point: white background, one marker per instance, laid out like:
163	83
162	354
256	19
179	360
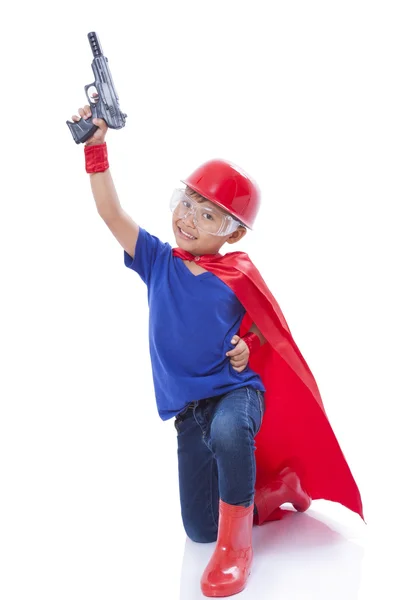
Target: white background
305	97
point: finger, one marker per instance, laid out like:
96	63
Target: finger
238	363
234	352
242	349
239	369
237	350
240	358
84	114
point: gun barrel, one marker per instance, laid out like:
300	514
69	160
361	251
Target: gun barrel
95	44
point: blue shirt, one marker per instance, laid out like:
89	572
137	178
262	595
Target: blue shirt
192	319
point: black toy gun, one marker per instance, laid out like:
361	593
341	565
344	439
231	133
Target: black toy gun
106	105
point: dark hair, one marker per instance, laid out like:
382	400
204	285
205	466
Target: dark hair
190	190
240	222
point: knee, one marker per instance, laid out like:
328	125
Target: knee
200	532
201	536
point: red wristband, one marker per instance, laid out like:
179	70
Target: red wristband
253	341
96	159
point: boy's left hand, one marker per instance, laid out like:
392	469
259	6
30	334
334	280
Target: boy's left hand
240	354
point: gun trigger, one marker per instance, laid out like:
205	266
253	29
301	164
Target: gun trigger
90	98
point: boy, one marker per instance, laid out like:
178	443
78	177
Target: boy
218	342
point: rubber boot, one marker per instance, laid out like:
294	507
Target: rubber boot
285	487
229	567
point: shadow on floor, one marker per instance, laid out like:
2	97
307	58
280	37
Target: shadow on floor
297	558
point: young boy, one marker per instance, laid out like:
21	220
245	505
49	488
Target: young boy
218	344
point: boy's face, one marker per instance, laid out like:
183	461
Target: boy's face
203	243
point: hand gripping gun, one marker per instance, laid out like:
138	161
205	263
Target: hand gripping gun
106	105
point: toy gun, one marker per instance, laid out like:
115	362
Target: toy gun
106	105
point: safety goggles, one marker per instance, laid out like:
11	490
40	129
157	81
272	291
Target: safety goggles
206	218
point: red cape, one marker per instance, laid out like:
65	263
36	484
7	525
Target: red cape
295	431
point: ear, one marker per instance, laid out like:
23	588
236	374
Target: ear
237	235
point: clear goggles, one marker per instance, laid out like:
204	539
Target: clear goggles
208	219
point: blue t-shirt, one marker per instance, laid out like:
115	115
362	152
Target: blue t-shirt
192	319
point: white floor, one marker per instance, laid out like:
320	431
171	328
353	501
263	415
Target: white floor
311	556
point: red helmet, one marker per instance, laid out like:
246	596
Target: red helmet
228	186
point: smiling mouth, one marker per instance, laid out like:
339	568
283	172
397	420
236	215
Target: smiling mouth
186	235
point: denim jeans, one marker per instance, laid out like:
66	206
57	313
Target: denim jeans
216	457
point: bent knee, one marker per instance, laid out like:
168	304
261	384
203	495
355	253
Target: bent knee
202	534
202	537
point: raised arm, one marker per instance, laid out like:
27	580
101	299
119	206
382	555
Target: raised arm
125	230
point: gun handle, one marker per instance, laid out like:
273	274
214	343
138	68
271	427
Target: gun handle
82	130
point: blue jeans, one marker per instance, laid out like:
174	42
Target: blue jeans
216	457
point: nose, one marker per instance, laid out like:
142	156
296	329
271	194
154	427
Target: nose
189	219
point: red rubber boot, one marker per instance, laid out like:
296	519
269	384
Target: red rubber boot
285	487
229	567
